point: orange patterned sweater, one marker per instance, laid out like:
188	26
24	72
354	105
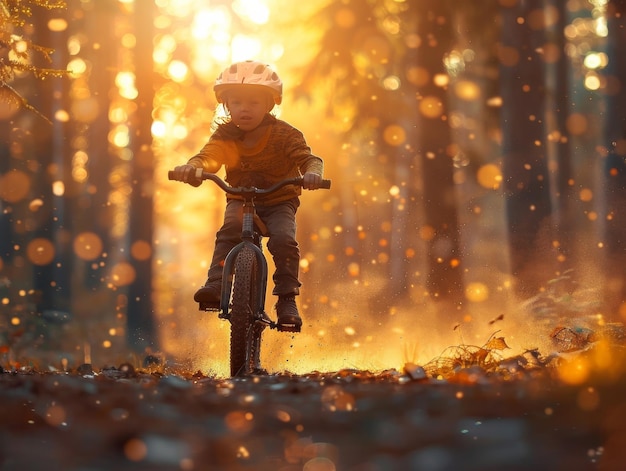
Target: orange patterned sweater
281	153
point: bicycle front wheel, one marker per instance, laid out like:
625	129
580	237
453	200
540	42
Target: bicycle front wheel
244	338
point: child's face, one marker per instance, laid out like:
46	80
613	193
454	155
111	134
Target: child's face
248	107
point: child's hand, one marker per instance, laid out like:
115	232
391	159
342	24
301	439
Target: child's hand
187	173
311	181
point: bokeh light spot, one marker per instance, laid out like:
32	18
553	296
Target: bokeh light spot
35	204
58	188
592	81
441	80
141	250
55	415
586	195
87	246
122	274
62	116
135	449
431	107
394	135
495	101
476	292
40	251
238	421
77	67
14	186
57	24
489	176
418	76
576	124
575	371
354	269
178	71
467	90
427	232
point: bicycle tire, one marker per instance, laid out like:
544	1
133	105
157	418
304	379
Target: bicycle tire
244	336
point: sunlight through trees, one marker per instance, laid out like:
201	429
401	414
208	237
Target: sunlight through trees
477	156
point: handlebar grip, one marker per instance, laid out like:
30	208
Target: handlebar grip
171	174
325	184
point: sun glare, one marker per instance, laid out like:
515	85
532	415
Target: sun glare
256	11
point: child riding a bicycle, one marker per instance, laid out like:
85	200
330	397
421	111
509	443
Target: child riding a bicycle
257	150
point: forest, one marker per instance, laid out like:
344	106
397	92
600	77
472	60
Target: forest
464	280
477	155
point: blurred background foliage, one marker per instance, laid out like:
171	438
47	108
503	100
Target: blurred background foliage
477	155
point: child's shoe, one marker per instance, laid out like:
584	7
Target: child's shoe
210	294
288	318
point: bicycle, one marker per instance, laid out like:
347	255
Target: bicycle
244	280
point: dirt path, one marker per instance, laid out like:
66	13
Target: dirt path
119	419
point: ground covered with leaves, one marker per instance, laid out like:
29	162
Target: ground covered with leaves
520	415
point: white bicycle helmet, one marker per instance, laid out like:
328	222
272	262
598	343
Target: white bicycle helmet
249	74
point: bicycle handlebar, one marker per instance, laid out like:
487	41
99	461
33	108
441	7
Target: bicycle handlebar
241	191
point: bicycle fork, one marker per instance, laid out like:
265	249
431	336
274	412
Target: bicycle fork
247	237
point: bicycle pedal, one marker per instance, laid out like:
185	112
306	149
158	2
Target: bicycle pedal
204	306
288	328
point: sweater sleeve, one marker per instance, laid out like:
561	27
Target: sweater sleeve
301	152
314	165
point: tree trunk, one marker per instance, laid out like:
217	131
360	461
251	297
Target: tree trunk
52	281
525	169
141	330
614	171
444	257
